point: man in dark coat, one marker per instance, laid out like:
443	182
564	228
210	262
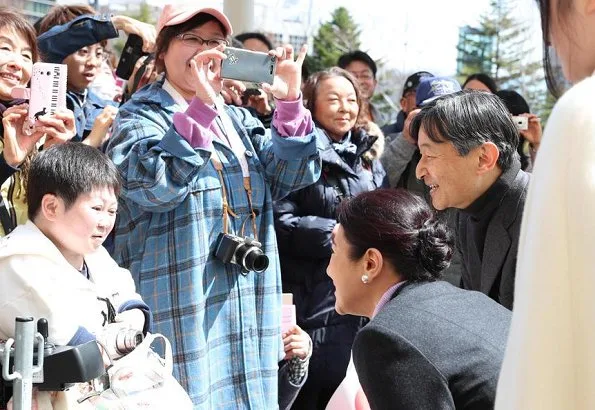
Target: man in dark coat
469	161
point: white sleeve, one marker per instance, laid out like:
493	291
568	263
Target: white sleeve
550	362
111	279
34	287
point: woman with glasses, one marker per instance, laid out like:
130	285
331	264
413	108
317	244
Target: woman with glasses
18	52
549	362
195	223
74	35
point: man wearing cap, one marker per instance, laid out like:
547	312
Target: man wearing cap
469	161
407	103
401	154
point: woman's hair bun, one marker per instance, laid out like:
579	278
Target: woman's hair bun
435	246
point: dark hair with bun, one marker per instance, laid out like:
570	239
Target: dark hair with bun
402	227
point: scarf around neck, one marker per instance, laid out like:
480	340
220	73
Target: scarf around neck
345	146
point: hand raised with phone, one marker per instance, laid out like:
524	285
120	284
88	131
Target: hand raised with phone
206	66
288	75
17	145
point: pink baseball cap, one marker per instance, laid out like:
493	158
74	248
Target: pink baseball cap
175	14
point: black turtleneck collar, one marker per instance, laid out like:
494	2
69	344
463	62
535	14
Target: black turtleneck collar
484	206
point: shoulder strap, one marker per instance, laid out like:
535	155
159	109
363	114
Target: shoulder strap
5	218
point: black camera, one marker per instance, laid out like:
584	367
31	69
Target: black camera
245	252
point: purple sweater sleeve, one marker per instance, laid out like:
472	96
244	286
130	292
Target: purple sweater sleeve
292	119
195	125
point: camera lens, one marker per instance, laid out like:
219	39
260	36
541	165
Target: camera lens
127	340
255	260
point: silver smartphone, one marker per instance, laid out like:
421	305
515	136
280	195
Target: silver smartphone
246	65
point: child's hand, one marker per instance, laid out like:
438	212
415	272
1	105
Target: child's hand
296	343
100	131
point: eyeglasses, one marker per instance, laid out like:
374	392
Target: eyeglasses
194	41
88	53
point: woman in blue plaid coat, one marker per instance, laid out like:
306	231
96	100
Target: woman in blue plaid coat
183	156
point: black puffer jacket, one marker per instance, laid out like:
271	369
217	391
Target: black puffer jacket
304	222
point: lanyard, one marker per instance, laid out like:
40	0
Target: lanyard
227	210
233	140
237	146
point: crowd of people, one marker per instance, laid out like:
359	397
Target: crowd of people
436	256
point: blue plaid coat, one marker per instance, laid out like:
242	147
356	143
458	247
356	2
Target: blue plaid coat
224	326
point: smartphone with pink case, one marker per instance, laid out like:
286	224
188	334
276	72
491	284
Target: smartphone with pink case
48	92
288	319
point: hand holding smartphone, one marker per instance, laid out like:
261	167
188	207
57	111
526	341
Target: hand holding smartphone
48	92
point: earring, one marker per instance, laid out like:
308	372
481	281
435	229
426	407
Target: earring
365	279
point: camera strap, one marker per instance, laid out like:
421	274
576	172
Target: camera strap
227	210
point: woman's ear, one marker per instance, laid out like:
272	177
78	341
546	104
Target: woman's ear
373	262
51	207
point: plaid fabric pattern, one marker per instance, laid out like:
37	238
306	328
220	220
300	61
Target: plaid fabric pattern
224	326
298	368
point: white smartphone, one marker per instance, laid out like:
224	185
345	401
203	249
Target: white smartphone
48	92
522	123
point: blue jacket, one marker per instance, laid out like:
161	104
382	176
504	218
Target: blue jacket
224	326
304	222
85	112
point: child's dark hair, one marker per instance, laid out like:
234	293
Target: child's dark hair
68	171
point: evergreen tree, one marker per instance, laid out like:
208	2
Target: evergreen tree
341	35
335	37
501	48
388	92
